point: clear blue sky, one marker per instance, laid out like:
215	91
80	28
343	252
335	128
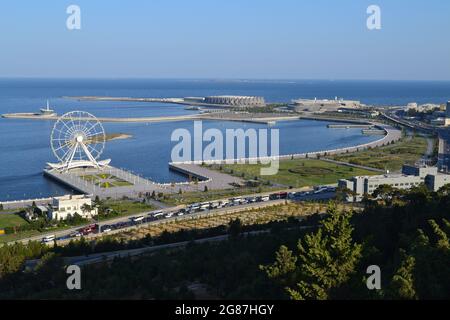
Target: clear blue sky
264	39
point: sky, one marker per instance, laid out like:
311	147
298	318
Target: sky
221	39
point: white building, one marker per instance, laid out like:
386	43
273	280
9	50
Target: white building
63	207
236	101
423	107
411	176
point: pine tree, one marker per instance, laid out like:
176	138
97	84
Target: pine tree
327	259
402	284
283	268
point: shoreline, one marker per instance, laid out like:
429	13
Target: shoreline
392	134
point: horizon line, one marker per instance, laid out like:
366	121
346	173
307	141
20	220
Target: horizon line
214	78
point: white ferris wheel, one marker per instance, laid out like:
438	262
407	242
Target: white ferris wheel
77	141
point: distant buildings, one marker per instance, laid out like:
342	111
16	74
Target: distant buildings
364	112
447	115
63	207
227	101
423	107
411	176
236	101
444	144
444	150
324	105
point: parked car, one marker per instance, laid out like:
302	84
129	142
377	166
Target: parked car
49	238
156	213
137	219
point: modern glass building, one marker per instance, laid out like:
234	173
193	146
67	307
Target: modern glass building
447	115
444	150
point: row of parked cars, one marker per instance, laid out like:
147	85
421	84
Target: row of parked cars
90	229
194	208
317	190
191	209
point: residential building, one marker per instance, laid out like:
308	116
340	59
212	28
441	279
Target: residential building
63	207
411	176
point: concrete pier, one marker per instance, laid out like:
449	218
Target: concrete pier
349	126
214	180
130	185
89	181
32	116
223	116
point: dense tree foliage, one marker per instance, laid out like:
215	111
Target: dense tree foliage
326	259
406	234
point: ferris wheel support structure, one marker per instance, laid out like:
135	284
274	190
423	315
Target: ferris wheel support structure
77	141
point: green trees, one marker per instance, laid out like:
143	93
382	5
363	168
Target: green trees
424	268
388	194
326	259
235	228
431	251
86	208
12	256
284	267
402	284
316	258
343	193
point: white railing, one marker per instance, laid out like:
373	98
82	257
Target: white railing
387	138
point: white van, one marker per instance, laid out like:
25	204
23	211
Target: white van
204	206
48	238
158	214
215	205
236	201
137	219
169	215
155	213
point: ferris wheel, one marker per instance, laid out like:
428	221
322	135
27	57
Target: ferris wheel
78	140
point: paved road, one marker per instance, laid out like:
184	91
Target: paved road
392	116
353	165
67	232
109	256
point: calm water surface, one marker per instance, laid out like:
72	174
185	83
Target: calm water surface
25	148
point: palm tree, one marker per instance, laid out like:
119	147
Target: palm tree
86	208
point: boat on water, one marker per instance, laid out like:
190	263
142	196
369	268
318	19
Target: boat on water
47	112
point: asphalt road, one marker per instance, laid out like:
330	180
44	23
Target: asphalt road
66	233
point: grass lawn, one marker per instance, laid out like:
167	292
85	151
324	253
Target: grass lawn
106	181
297	173
17	236
392	157
11	220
